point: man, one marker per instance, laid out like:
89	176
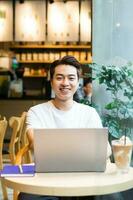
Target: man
84	93
62	111
87	89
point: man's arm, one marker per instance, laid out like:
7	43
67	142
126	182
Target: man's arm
109	151
30	137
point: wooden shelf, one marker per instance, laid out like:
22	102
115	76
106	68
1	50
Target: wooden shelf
78	51
34	76
48	61
72	47
35	61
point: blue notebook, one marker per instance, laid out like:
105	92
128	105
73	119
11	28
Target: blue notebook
14	170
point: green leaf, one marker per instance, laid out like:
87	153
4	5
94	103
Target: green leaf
111	105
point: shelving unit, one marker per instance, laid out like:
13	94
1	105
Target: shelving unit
35	52
51	46
35	60
48	53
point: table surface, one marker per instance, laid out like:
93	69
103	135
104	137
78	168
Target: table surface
73	184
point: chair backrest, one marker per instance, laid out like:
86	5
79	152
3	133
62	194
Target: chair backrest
17	125
14	123
23	140
18	138
3	127
22	133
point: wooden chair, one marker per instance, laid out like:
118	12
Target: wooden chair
18	147
18	137
14	123
10	156
18	161
3	127
23	141
21	135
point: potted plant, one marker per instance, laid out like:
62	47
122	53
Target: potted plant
118	115
118	80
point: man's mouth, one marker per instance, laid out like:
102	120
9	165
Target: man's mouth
65	89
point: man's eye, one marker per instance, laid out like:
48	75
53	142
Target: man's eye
59	78
71	78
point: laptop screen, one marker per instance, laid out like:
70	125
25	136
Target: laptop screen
70	150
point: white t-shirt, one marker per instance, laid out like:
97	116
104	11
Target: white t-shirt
46	115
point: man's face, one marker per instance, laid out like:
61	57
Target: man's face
88	89
65	82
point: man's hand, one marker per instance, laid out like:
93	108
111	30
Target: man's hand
109	151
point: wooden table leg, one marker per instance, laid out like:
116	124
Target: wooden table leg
4	190
15	195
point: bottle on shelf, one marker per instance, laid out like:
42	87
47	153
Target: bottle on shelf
15	64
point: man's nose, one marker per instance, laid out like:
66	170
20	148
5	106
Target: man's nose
65	81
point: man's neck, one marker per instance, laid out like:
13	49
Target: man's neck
63	105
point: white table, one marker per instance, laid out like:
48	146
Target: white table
73	184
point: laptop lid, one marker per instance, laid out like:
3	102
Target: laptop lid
70	150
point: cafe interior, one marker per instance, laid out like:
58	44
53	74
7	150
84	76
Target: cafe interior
34	33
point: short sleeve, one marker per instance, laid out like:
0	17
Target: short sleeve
95	120
32	119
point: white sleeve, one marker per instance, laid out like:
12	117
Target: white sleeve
32	119
97	123
94	120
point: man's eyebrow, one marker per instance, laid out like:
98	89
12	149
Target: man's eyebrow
58	74
66	75
72	75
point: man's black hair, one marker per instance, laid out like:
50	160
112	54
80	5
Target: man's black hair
87	80
66	60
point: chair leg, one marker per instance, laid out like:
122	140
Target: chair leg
15	195
4	190
27	157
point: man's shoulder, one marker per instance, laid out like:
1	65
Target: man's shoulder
84	107
44	105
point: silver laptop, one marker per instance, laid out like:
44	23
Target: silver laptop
70	150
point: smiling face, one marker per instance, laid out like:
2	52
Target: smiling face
64	82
